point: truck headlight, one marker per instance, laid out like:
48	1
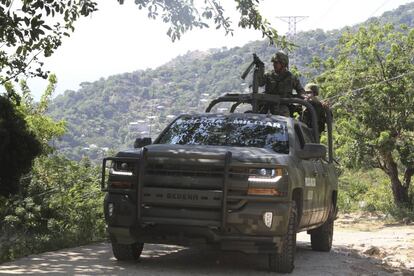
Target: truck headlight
122	168
265	175
267	181
120	174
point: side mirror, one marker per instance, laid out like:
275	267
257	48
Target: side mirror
311	151
142	142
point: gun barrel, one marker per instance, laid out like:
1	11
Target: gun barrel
247	71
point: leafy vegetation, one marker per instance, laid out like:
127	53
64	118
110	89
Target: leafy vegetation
371	80
25	132
54	202
60	206
18	147
28	33
185	15
369	190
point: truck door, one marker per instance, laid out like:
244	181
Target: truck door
307	182
315	184
321	191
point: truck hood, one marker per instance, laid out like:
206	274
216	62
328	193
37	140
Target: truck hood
241	154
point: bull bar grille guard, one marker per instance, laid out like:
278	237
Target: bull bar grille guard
138	183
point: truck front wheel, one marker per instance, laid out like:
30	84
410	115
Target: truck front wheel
284	262
127	252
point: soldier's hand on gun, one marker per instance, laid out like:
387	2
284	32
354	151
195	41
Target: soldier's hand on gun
326	104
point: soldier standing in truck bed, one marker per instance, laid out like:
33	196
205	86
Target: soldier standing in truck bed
280	81
311	95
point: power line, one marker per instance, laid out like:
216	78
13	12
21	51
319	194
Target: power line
377	9
368	86
328	9
332	6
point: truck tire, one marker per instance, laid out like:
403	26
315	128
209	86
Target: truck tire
127	252
284	262
321	237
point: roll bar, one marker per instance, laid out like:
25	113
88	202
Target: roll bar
260	98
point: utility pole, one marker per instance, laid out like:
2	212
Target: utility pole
291	34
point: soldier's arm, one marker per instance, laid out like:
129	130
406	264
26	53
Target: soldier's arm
298	87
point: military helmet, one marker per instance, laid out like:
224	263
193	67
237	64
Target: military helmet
281	57
312	87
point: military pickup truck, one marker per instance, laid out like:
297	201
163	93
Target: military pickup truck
239	181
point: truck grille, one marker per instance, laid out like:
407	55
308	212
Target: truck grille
187	190
184	176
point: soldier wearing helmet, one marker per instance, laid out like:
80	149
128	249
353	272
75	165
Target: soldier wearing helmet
311	93
280	81
311	90
282	58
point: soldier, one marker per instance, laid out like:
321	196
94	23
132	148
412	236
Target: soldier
280	81
311	95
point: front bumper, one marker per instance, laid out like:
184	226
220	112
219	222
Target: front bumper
245	229
193	236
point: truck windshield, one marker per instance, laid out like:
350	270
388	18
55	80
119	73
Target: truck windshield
224	131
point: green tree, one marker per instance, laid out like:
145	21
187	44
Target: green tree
372	81
59	203
31	29
18	147
60	206
43	126
25	133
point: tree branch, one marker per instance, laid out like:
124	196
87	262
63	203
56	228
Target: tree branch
219	14
382	166
21	70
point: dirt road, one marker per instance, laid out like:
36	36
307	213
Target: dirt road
379	250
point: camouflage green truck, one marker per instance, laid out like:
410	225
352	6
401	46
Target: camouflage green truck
239	181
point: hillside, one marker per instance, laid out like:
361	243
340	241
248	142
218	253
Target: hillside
110	113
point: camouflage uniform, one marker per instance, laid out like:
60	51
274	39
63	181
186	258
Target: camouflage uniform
312	90
281	84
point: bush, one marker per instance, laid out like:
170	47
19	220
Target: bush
18	147
402	213
364	190
59	203
370	191
61	207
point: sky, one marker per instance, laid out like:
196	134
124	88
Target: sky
120	38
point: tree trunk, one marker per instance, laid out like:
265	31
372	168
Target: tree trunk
399	191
